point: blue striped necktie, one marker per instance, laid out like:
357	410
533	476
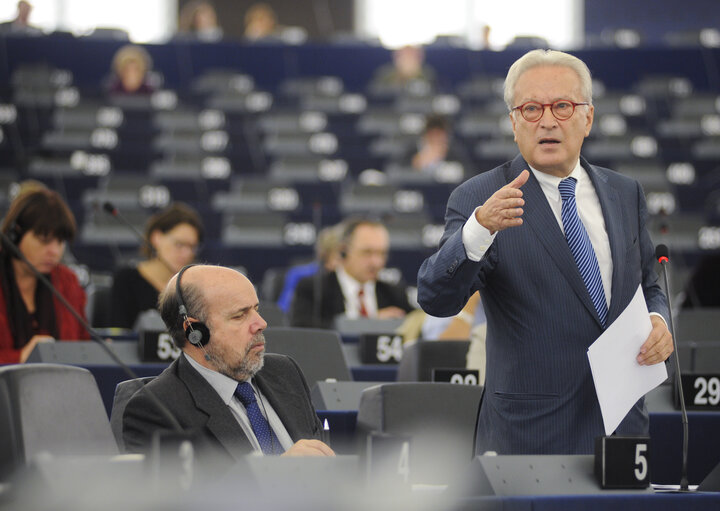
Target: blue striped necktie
581	248
269	443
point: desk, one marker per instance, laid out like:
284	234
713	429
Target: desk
631	502
665	441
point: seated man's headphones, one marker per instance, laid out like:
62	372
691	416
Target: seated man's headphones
197	333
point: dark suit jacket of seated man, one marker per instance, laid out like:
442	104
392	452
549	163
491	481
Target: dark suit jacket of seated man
505	236
364	250
198	388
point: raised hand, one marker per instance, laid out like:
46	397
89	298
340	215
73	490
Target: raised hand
504	208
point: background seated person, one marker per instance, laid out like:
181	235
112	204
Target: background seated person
131	66
260	22
39	223
408	66
199	20
436	148
353	289
21	23
172	237
327	253
225	386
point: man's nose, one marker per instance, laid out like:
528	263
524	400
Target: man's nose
547	117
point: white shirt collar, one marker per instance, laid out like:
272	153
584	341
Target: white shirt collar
351	286
223	385
549	183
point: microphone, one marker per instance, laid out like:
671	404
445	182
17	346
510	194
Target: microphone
93	334
110	208
662	256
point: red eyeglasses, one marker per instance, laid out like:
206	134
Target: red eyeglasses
562	109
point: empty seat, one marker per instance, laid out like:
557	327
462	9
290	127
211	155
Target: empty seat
375	199
259	230
215	81
123	392
420	358
257	195
501	149
482	87
679	232
318	352
101	228
50	408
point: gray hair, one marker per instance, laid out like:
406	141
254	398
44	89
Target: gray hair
169	307
537	58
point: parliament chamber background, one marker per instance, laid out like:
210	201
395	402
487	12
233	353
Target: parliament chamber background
271	142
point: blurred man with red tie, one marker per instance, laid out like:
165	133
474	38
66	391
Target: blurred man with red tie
353	289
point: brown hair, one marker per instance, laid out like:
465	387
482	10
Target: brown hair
42	211
175	214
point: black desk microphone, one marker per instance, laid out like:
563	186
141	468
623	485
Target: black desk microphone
662	255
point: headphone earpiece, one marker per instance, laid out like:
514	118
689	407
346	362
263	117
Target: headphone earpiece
14	233
197	334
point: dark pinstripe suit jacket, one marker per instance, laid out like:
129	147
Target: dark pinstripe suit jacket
539	394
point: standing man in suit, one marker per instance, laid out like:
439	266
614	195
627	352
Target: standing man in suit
353	288
240	399
514	234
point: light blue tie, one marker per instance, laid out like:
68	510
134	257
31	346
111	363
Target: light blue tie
581	248
269	443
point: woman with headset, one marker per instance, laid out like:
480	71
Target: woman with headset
172	237
38	224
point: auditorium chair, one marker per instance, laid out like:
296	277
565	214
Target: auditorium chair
439	419
50	408
420	358
123	392
318	352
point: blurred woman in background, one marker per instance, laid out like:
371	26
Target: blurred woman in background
40	224
172	237
131	67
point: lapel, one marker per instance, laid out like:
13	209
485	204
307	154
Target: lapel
220	420
539	216
285	400
334	299
609	199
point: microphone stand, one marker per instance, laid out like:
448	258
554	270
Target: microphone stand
110	208
663	260
93	334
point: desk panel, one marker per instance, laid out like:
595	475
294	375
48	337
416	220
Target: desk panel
641	502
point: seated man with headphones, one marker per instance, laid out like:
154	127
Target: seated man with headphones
353	289
224	386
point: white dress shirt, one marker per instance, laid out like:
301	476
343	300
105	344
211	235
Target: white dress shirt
350	290
225	387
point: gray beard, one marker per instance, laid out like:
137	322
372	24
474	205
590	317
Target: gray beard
245	369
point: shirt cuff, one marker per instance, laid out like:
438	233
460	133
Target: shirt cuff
661	317
476	238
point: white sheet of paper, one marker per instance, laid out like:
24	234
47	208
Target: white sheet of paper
619	380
